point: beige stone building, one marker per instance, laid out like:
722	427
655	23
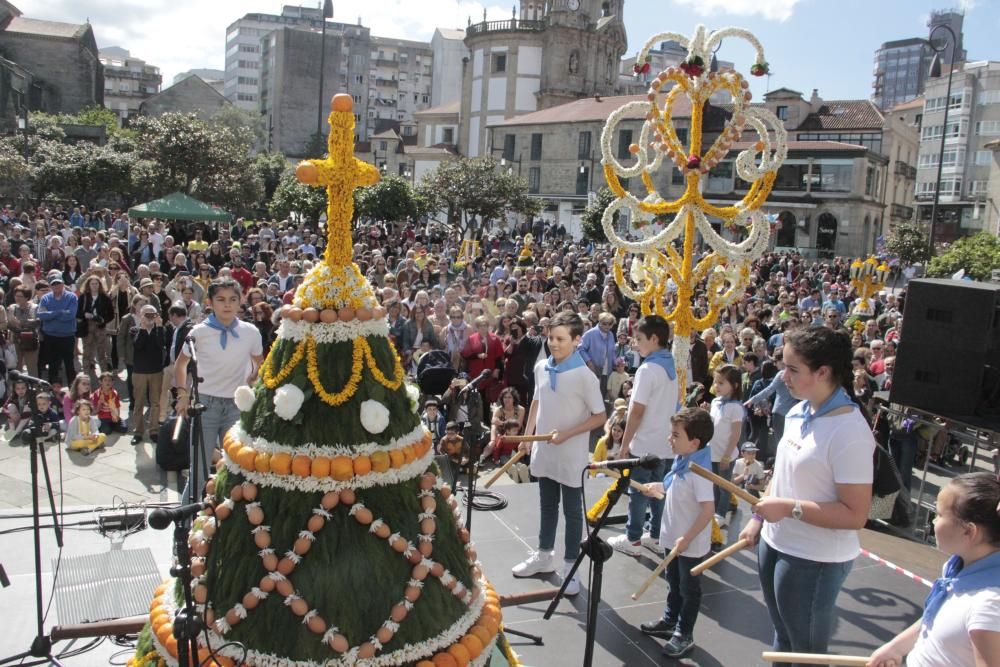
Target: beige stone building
901	144
127	81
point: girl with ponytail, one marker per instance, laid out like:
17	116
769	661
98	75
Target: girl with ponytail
806	527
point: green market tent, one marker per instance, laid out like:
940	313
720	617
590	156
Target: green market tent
179	206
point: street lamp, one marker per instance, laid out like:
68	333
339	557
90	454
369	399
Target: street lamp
504	162
935	72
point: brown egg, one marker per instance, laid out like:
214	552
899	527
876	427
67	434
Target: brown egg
284	587
420	572
328	315
249	491
315	523
398	545
416	556
262	539
284	310
209	616
255	516
200	548
285	566
347	496
366	650
427	481
210	487
339	643
437	569
471	553
208	528
412	593
383	531
236	493
364	516
302	546
384	634
446	492
398	613
428	504
294	314
232	618
425	548
222	512
250	601
266	584
346	314
310	315
200	594
428	526
378	313
316	625
330	500
269	561
463	534
198	566
299	607
363	314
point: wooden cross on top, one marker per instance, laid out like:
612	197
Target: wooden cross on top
340	173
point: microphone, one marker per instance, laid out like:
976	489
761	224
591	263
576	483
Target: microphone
482	376
645	461
24	377
162	518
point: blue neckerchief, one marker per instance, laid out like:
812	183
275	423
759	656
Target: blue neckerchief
212	322
838	399
682	462
664	360
984	573
569	363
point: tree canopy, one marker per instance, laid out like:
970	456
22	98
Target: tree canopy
593	215
907	242
979	255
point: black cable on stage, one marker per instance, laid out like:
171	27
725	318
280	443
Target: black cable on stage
486	501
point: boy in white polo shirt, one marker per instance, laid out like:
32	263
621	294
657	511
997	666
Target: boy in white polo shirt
567	403
653	403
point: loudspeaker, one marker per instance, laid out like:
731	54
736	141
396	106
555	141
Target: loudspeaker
948	359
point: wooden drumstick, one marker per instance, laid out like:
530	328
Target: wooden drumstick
656	573
544	437
641	488
816	659
742	494
501	470
721	556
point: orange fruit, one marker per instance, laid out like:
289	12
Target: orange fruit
380	461
158	622
245	456
342	468
444	660
281	463
262	462
164	631
362	465
161	589
171	645
301	466
460	653
409	455
491	624
481	633
396	458
472	645
321	466
425	663
491	610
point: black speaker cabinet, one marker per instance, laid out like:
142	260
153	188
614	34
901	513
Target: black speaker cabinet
948	360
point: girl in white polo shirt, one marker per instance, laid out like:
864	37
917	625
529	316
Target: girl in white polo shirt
819	496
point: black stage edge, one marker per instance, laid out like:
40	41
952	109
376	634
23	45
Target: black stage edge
732	630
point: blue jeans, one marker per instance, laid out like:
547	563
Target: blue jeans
904	452
219	416
800	596
572	502
684	595
721	496
637	503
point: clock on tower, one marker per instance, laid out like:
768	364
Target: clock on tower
573	4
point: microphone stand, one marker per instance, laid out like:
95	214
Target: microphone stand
196	439
599	552
41	646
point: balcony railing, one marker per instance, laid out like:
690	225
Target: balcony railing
509	25
906	170
391	83
900	212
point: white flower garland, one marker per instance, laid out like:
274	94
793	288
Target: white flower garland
311	450
333	332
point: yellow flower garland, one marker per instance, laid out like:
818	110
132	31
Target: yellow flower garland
345	394
274	381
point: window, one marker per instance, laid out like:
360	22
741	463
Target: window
989	97
247	80
782	113
956	129
409	131
832	177
448	135
536	146
950	187
124	87
869	180
988	128
582	180
720	178
359	78
383	145
624	141
246	97
534	180
357	99
249	48
983	158
583	149
248	64
509	144
952	158
499	63
425	99
977	188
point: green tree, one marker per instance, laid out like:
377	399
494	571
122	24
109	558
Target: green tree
979	255
270	167
593	228
239	121
907	242
472	191
390	199
291	196
15	172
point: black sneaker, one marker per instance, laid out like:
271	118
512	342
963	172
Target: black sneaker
678	646
137	438
658	628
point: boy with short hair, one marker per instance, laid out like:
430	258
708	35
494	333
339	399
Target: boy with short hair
47	419
653	402
688	508
433	420
568	404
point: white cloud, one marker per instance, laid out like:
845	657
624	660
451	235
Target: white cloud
178	35
775	10
968	5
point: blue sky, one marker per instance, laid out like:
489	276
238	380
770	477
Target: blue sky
824	44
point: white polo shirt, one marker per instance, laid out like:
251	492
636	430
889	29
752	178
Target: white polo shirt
577	397
654	389
680	509
224	370
948	642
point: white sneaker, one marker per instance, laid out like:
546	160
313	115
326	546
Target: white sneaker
652	543
623	544
524	473
721	521
539	562
573	587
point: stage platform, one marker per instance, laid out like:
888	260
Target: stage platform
732	630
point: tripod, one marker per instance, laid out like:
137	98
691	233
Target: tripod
599	552
41	646
197	457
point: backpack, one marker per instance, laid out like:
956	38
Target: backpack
170	456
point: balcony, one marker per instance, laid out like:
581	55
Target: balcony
386	62
900	212
509	25
389	83
905	170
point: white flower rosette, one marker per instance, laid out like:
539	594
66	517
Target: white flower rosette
288	401
374	416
